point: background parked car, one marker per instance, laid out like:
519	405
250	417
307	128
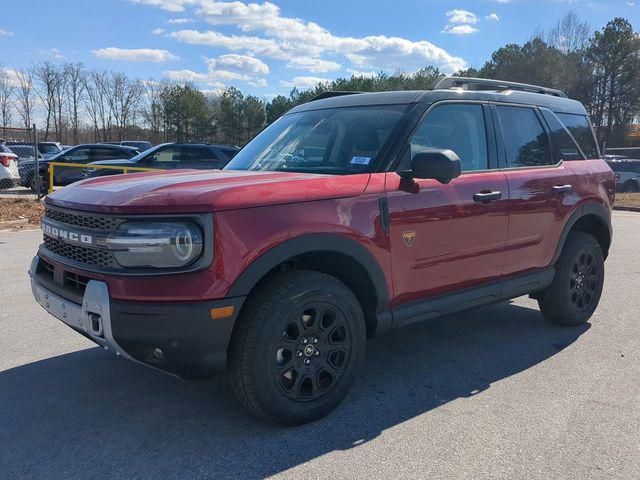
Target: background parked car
46	149
201	156
627	172
79	154
8	168
24	152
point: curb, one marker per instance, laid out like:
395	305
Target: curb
13	223
627	209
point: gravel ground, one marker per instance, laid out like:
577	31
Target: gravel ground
492	393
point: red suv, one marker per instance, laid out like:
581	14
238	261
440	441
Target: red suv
351	215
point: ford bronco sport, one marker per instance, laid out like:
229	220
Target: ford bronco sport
350	215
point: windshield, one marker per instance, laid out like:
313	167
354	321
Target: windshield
141	155
336	141
48	148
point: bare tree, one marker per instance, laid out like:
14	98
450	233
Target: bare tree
123	96
24	97
152	111
75	79
47	78
6	93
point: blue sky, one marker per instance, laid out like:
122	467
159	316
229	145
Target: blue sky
267	48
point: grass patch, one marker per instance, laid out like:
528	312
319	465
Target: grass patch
20	208
628	200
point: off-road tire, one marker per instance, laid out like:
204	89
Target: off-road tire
573	296
288	309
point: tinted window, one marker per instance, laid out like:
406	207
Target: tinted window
166	155
579	127
230	152
332	141
458	127
79	155
526	142
200	154
564	147
48	148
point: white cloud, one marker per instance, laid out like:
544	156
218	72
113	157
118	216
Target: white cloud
502	1
631	4
168	5
315	65
157	31
134	54
55	53
224	69
492	17
178	21
288	39
461	16
460	29
239	63
11	75
5	33
303	82
185	76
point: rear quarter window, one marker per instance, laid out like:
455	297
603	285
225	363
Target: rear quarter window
580	129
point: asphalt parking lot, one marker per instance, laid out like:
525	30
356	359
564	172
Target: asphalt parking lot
492	393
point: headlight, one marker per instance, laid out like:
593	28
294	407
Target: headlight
156	244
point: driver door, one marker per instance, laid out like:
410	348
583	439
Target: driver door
449	237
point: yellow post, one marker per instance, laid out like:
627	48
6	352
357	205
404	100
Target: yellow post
50	178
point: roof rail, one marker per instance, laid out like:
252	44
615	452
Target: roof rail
446	83
331	94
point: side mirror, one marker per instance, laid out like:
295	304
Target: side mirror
440	164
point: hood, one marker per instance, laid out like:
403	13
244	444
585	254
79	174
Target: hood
192	191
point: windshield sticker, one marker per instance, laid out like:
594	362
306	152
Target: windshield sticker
360	160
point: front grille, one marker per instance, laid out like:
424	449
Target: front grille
75	282
46	268
90	256
84	220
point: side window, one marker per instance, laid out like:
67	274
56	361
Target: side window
579	127
199	154
564	147
80	155
106	154
165	155
230	152
526	142
458	127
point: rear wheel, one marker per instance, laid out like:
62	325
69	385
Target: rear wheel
297	347
577	286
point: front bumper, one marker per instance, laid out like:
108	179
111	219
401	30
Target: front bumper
180	338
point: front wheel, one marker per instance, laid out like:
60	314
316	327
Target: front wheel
298	345
577	286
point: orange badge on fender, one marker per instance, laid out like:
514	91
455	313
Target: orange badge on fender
409	237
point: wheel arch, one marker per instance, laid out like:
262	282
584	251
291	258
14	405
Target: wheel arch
593	218
336	255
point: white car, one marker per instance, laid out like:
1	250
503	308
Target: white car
627	174
9	175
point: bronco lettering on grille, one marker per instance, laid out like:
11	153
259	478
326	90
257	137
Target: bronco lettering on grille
66	235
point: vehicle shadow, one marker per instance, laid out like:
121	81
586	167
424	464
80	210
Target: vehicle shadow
88	414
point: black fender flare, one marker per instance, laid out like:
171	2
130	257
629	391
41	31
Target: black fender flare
309	244
590	208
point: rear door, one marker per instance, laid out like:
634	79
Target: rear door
449	237
541	185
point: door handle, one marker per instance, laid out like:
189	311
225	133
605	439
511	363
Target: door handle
486	196
562	188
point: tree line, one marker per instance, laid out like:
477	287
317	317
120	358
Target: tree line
75	105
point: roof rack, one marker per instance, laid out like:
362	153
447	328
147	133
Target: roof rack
446	83
331	94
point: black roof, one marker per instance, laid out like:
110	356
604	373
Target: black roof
104	145
495	92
